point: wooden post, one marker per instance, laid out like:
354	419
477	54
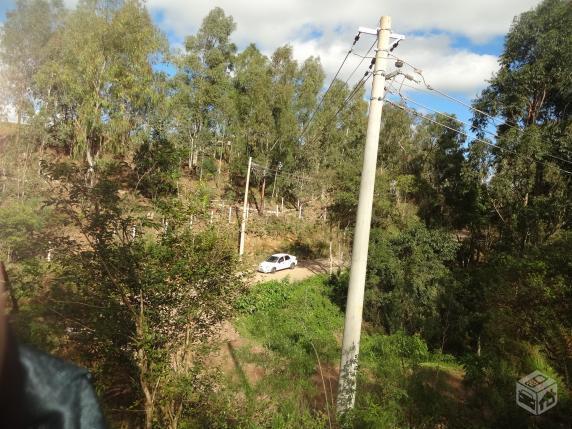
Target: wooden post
244	211
229	214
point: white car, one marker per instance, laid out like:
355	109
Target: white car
279	261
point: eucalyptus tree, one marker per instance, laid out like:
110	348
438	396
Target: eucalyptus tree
204	83
528	101
23	39
95	84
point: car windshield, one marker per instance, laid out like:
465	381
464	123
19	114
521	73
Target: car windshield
272	259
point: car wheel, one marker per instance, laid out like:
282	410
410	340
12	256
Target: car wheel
292	265
273	270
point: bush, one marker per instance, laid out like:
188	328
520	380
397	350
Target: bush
137	303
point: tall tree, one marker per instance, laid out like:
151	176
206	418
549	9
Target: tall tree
531	95
97	86
23	40
204	81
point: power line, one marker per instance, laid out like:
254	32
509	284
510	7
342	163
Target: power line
363	57
360	63
358	86
328	89
450	97
352	94
496	136
280	172
360	83
430	119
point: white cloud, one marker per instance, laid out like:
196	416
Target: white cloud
273	23
444	67
464	72
448	68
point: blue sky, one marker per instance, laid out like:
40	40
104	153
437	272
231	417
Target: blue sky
455	43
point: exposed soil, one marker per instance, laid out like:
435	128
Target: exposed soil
226	359
304	270
325	381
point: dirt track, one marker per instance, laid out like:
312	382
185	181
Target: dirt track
304	270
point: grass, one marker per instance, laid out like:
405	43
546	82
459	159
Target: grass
287	318
293	325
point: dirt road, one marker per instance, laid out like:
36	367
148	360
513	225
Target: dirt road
304	270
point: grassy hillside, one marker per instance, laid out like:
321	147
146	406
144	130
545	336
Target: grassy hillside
281	368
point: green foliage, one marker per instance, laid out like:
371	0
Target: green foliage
391	358
403	384
470	245
297	325
20	224
157	167
136	300
407	273
291	319
529	194
94	66
528	301
24	38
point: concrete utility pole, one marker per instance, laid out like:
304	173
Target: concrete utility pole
354	306
244	210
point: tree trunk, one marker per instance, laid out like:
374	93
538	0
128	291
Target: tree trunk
274	184
149	406
18	128
191	154
142	363
91	163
